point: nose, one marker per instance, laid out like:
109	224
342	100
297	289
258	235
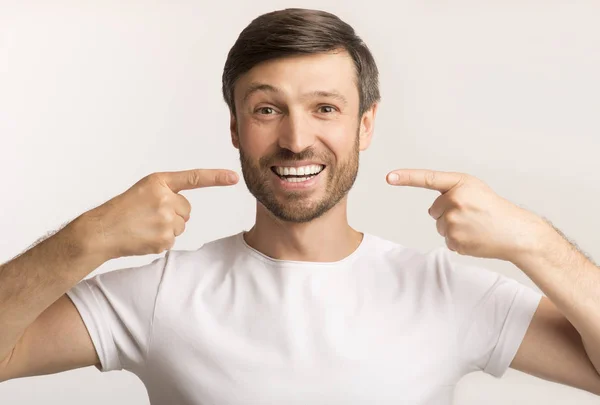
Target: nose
296	133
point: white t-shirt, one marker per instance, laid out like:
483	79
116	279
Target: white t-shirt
227	325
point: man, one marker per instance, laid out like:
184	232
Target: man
302	308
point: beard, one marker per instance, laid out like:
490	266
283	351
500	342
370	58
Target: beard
300	206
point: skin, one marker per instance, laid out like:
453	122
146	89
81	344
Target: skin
564	334
287	124
44	334
563	340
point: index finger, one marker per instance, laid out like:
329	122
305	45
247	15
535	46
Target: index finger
430	179
198	178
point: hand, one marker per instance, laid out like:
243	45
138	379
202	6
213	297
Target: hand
147	217
473	219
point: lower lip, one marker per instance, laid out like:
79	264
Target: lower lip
298	185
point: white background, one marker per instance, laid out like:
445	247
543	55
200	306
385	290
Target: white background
96	95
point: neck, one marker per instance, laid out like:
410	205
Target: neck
328	238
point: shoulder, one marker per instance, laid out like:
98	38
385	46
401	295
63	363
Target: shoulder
440	275
214	249
401	257
208	261
436	267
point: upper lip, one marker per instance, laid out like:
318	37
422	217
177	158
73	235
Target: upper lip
298	164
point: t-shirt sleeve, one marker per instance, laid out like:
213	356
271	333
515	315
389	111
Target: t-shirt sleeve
117	308
493	313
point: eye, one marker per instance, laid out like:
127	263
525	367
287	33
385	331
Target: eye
265	110
327	109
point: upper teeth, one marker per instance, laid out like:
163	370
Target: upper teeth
299	171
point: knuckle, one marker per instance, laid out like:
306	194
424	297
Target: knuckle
459	203
142	186
163	200
430	178
450	243
459	241
164	239
142	189
440	229
187	207
218	178
167	235
169	240
165	216
155	246
455	246
149	186
451	235
452	217
194	177
152	178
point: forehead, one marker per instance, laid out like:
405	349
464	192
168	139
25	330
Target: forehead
303	74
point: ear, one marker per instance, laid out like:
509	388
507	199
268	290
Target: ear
367	126
235	140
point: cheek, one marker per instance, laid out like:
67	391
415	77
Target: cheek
256	149
253	138
341	140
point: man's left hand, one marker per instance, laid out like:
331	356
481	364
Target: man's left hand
473	219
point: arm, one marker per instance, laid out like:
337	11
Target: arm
553	350
40	329
562	343
34	313
56	341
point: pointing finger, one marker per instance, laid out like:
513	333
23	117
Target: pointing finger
429	179
198	178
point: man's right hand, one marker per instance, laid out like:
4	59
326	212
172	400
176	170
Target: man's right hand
147	217
42	331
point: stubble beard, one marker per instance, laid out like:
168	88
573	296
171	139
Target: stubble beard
300	206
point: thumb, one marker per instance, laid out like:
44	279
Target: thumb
199	178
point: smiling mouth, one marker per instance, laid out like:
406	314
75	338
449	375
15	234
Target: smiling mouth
297	174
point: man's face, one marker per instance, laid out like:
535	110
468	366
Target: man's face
299	133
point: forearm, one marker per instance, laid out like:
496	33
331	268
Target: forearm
33	281
572	282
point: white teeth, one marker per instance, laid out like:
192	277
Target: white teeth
297	179
299	171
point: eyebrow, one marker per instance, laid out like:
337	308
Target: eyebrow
255	87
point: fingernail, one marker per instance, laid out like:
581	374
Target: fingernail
232	178
393	177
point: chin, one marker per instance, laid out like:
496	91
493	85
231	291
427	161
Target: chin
298	211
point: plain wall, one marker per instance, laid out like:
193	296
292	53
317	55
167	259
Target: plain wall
96	95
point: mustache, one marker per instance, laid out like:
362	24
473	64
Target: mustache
288	155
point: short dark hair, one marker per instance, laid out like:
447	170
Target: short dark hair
295	31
